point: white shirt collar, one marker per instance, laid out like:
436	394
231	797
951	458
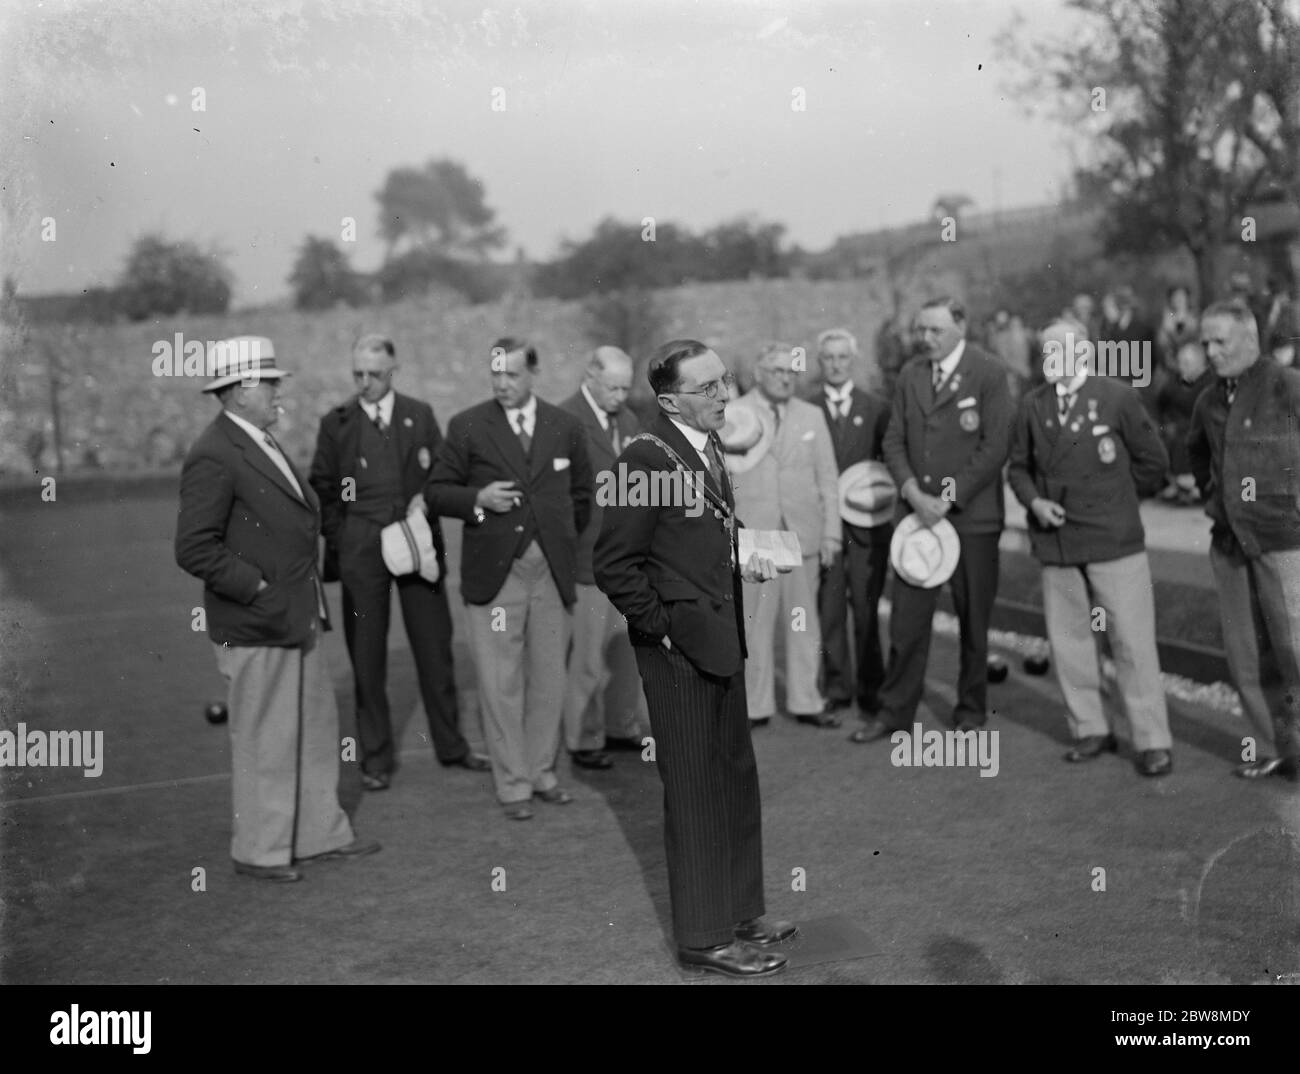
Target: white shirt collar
841	394
384	408
258	435
528	410
697	438
602	415
1072	386
950	363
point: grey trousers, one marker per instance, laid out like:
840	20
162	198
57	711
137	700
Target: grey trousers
1122	588
1259	604
788	603
519	641
603	691
284	753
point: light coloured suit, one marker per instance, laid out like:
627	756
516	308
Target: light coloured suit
794	486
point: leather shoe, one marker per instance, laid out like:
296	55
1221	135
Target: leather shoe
280	874
838	704
871	730
591	759
519	811
825	718
475	762
555	796
374	781
968	725
760	721
736	959
760	932
1155	762
615	742
1091	747
355	849
1286	767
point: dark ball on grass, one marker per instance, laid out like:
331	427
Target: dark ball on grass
997	669
216	712
1037	665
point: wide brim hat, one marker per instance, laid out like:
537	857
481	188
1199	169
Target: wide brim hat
407	547
745	437
239	359
924	556
867	494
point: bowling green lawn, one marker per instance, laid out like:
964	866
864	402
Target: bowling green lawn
1045	873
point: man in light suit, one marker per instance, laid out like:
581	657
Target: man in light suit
373	457
793	486
673	572
947	440
603	692
857	419
515	469
248	526
1083	452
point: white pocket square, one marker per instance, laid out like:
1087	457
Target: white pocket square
1097	430
968	401
560	464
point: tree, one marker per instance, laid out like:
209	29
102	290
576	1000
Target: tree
739	249
162	277
1176	111
322	277
950	205
437	207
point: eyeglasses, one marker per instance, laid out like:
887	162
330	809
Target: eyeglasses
365	374
710	390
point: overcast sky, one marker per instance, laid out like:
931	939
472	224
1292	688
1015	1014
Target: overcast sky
631	108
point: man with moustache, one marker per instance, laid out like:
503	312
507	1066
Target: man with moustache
793	486
373	457
248	527
1083	453
601	664
1244	447
945	445
673	573
857	420
515	469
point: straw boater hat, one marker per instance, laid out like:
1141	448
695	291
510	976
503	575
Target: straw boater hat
745	437
867	494
922	556
250	358
407	547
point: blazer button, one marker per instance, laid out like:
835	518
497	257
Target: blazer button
726	596
519	529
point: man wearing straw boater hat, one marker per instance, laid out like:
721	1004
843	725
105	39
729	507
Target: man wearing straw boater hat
248	527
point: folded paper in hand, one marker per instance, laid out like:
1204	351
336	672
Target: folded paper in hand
780	546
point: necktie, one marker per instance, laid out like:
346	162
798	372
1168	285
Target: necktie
715	460
1230	389
524	438
1064	400
380	424
613	436
776	412
936	379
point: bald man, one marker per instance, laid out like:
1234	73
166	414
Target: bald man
604	704
1083	451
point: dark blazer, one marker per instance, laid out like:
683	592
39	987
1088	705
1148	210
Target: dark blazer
600	449
555	479
926	438
338	458
240	522
861	437
671	574
1108	455
1258	438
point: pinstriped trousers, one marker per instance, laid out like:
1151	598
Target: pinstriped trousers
713	821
